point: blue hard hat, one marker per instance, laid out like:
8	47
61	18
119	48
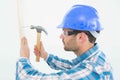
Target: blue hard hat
81	17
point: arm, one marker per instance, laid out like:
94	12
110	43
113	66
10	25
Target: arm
53	61
25	71
58	63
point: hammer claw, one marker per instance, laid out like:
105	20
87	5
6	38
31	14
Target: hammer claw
39	28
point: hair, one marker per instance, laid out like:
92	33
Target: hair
91	38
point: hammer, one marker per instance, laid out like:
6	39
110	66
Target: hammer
39	29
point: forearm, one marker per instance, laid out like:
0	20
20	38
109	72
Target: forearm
24	69
58	63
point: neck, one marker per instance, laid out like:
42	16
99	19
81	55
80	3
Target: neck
83	49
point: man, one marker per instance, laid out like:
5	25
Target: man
81	27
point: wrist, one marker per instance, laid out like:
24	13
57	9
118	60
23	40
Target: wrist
24	56
45	56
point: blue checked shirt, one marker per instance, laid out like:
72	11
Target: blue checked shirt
91	65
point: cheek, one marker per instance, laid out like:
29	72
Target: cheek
65	41
69	41
72	42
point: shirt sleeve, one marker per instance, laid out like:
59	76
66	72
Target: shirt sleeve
58	63
25	71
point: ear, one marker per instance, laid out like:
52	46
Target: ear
81	36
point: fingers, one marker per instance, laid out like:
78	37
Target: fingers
24	41
35	46
36	51
42	53
24	50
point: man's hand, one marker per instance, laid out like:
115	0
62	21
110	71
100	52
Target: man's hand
24	50
42	52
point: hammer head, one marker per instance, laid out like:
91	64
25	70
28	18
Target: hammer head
39	28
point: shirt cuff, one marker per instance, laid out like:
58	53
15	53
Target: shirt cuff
49	58
23	59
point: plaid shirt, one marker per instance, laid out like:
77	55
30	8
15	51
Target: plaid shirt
91	65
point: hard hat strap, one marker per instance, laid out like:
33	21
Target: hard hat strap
94	33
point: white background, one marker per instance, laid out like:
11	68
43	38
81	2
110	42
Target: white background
49	13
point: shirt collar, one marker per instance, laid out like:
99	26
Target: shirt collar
86	54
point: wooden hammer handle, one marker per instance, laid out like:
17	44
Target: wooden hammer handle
38	46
